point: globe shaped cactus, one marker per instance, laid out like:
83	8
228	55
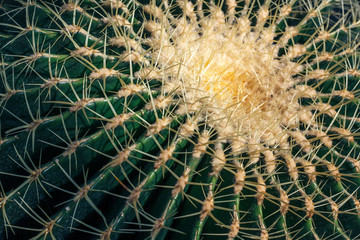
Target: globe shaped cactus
233	119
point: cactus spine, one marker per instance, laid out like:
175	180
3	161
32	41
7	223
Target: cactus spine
179	120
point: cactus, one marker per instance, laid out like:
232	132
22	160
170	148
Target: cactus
230	119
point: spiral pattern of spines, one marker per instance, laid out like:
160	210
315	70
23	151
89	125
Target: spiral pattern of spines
101	137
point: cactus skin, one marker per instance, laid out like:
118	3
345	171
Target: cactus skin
95	146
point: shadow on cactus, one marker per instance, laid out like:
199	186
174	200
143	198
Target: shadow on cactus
179	120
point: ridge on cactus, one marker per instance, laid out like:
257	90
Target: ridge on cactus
219	119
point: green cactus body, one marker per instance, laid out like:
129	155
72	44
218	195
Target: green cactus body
179	120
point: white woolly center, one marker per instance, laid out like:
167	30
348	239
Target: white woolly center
232	69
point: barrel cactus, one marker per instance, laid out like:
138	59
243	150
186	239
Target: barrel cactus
233	119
